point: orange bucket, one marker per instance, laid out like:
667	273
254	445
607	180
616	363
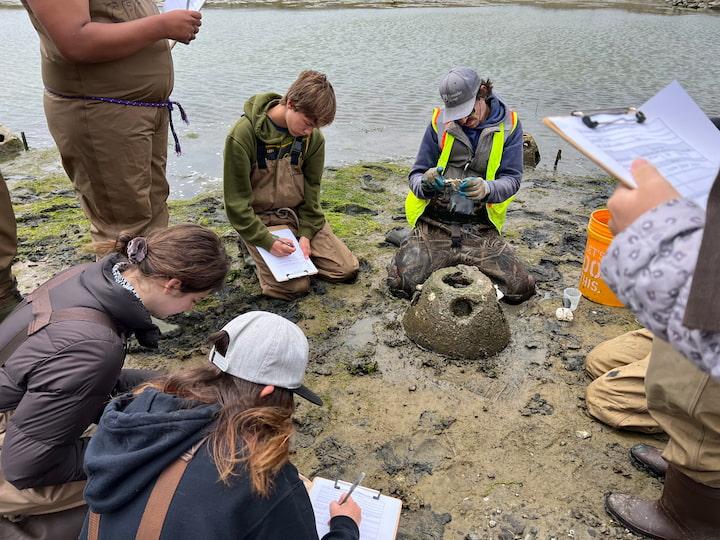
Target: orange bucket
592	285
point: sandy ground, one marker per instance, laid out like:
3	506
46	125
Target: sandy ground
475	449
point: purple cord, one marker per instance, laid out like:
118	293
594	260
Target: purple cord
164	104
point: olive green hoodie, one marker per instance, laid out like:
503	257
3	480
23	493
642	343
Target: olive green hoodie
240	156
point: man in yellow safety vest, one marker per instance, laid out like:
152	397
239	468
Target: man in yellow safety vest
466	173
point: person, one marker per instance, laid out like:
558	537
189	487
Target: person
273	163
62	353
108	73
661	264
617	397
233	421
476	139
9	294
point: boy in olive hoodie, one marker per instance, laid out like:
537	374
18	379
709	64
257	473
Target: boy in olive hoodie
274	159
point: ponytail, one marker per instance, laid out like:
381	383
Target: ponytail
190	253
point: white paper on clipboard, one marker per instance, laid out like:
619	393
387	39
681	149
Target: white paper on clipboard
291	266
676	137
380	513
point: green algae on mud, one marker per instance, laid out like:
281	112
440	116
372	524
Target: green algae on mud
447	437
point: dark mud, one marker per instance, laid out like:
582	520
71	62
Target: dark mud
481	449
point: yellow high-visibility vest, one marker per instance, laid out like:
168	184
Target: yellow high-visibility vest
415	206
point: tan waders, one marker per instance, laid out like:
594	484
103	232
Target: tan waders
617	395
278	194
685	402
113	152
119	173
45	513
9	295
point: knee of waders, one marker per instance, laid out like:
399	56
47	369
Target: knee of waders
286	290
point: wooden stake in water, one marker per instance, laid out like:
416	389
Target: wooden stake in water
24	140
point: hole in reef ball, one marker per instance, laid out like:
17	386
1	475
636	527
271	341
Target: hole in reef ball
457	280
461	307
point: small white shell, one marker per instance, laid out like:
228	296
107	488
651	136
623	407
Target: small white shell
564	314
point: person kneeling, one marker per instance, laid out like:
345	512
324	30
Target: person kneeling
223	431
476	141
274	159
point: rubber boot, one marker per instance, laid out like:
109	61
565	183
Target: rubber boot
649	459
687	510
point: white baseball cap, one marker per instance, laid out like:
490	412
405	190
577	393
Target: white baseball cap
266	349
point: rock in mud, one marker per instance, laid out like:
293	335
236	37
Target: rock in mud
334	458
10	145
423	523
537	405
531	152
457	314
436	422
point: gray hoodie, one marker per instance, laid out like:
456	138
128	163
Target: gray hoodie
650	267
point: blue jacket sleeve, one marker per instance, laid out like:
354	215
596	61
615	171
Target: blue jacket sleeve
427	157
509	174
650	267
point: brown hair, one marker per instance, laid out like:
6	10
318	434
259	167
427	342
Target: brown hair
190	253
249	430
312	95
485	90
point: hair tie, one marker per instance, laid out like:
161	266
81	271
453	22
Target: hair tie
137	249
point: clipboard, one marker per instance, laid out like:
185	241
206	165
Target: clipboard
292	266
618	174
669	130
380	513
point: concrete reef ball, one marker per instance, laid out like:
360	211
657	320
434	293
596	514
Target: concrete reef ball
457	314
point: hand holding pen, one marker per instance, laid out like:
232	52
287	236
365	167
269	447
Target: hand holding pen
282	247
346	506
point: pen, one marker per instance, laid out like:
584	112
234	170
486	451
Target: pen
345	497
285	241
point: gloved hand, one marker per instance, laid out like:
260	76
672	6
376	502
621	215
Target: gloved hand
474	188
433	180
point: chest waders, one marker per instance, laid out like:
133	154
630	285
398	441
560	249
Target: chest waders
415	206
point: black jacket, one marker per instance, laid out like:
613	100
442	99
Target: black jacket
139	436
58	381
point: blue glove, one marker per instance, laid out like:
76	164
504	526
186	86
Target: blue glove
433	180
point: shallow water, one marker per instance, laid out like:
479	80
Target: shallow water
385	65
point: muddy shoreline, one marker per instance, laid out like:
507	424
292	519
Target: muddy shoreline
484	449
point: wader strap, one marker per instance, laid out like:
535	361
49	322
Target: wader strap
69	314
261	151
296	151
162	494
43	313
159	501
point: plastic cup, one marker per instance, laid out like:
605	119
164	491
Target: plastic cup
571	298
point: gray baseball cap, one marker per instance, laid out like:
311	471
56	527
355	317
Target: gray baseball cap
266	349
458	90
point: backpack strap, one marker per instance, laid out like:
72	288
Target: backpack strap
296	150
43	313
158	503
